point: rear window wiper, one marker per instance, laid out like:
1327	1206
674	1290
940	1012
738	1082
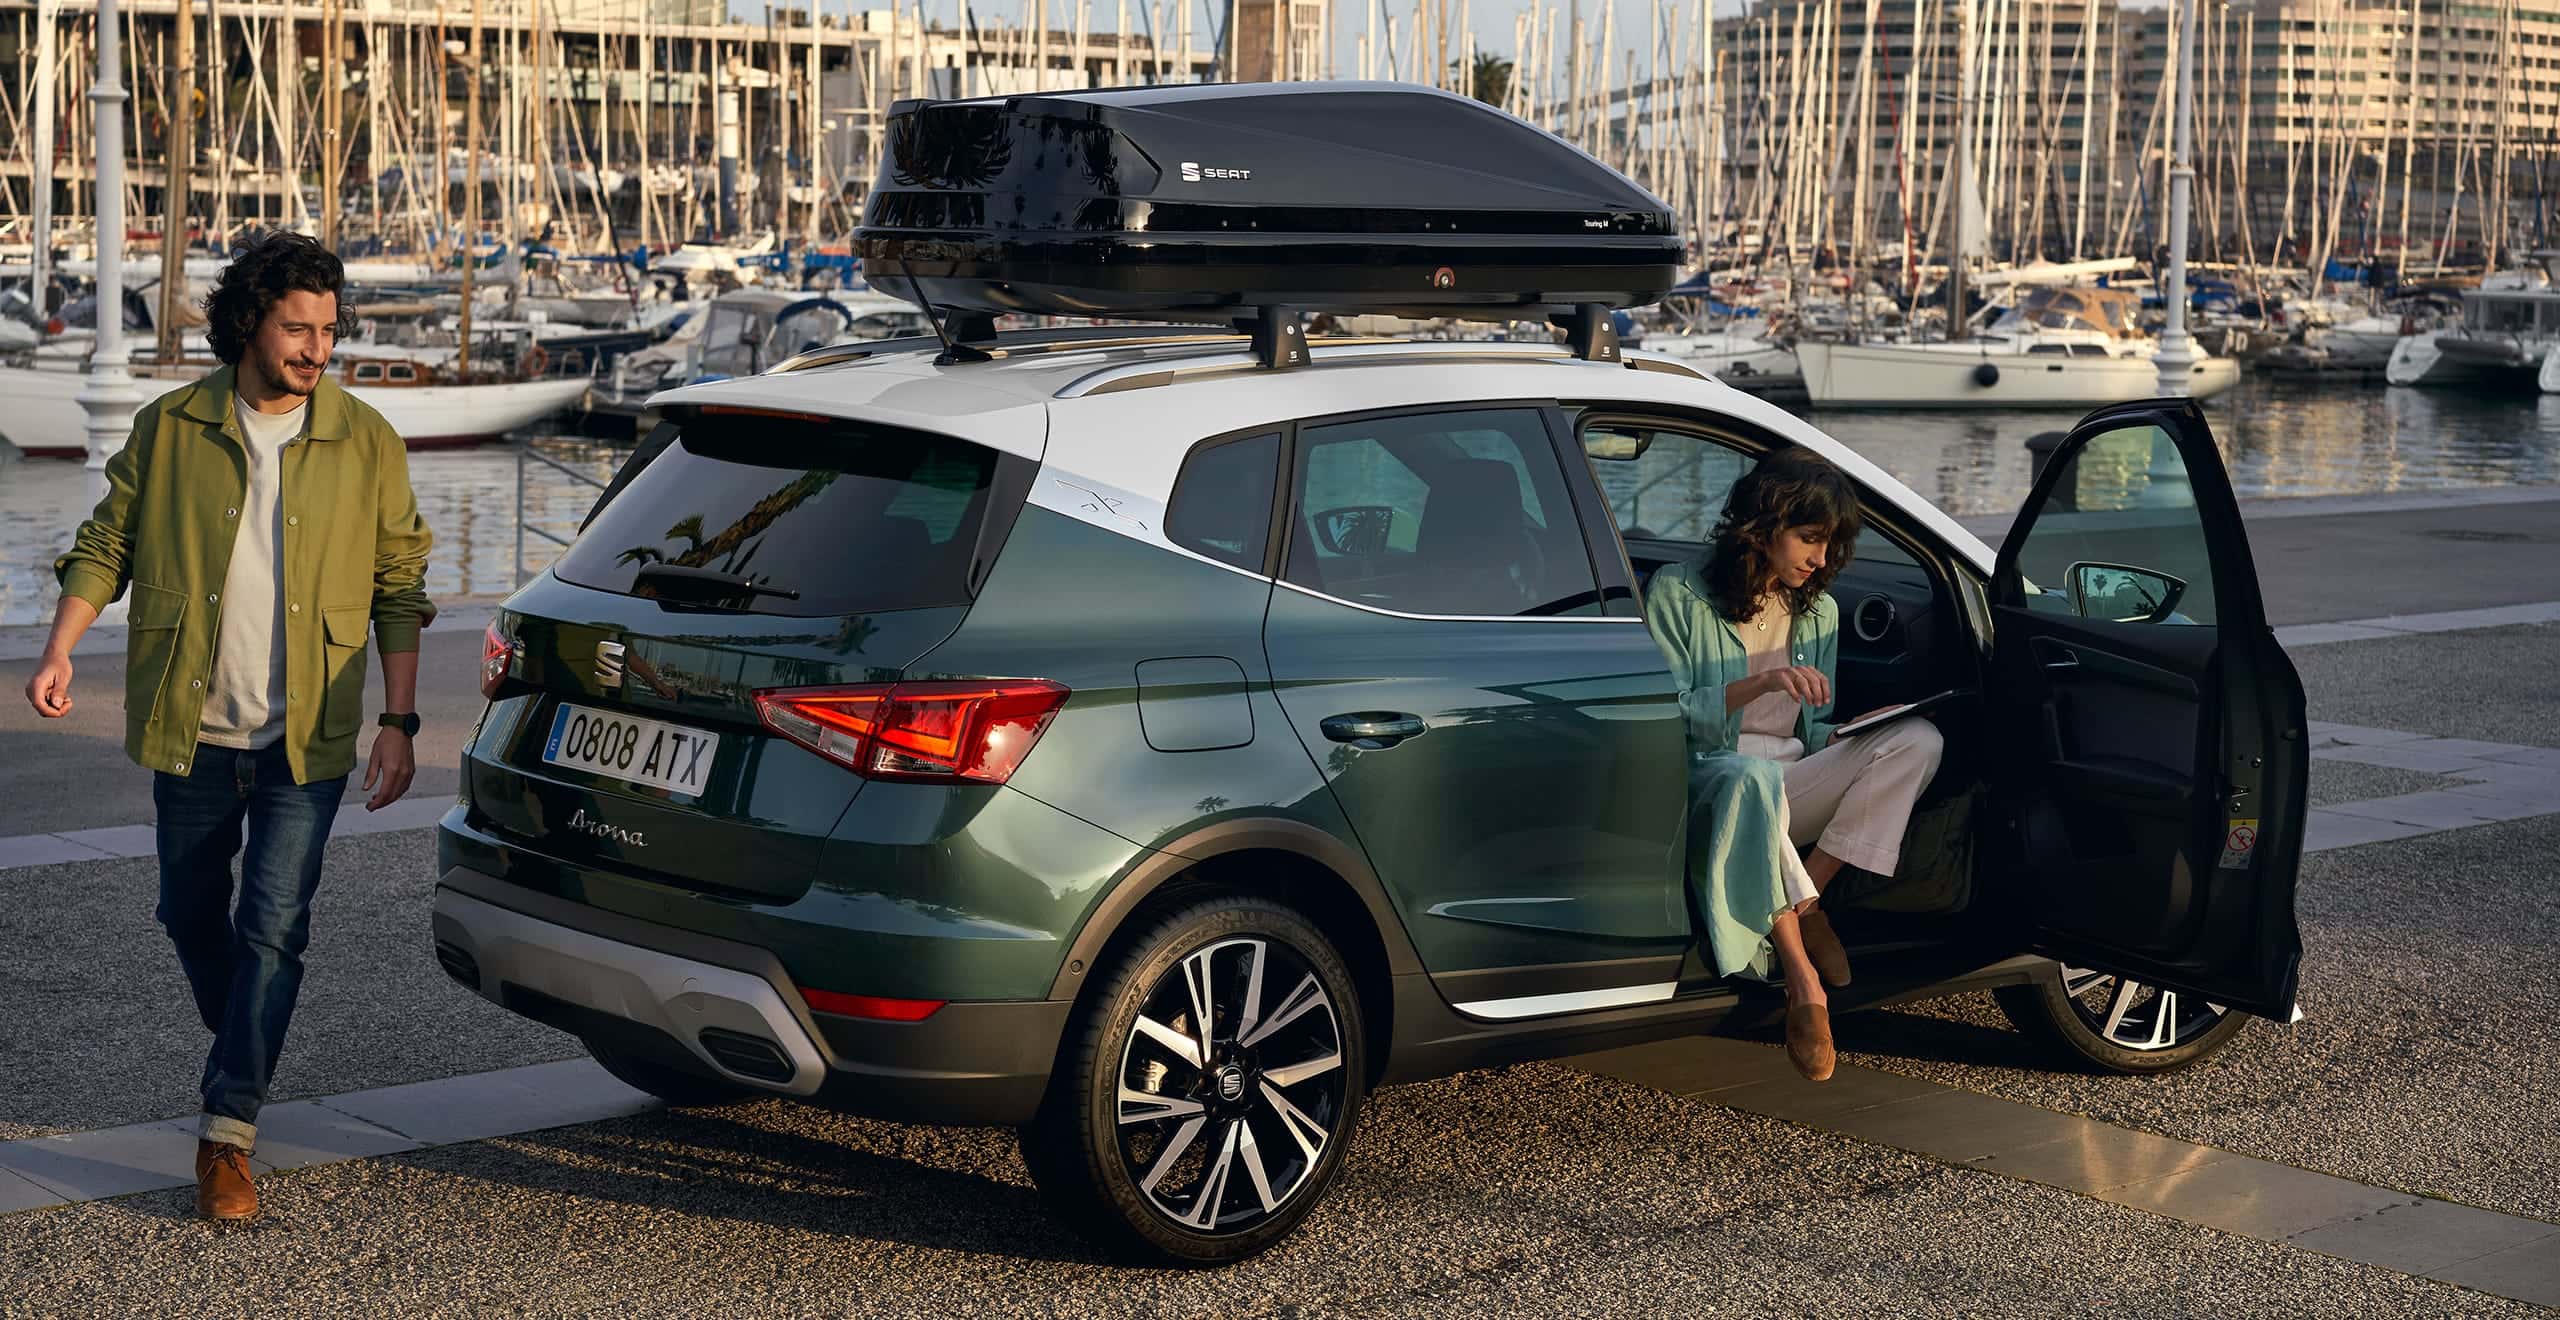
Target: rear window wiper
703	586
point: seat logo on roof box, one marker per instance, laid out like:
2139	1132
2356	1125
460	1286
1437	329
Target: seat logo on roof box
1193	172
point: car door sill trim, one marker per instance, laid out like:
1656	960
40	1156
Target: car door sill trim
1573	1001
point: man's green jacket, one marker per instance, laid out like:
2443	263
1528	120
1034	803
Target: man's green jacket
354	553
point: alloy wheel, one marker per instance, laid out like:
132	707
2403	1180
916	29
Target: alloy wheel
2135	1015
1231	1084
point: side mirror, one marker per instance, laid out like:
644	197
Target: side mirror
1357	529
2121	593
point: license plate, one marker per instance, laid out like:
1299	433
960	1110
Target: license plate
631	749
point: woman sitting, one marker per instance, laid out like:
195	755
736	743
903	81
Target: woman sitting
1753	640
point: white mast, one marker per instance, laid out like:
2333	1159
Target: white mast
108	395
2177	355
40	164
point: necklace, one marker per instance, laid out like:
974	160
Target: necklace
1760	621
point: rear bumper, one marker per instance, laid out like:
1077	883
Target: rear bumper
729	1010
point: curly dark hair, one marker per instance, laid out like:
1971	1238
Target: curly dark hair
1794	487
265	267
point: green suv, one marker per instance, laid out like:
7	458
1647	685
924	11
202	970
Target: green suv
1117	740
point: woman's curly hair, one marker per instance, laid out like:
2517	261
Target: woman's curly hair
265	268
1794	487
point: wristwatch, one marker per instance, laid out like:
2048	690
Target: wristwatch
407	724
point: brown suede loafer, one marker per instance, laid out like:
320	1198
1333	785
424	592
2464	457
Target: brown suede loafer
223	1189
1809	1041
1822	945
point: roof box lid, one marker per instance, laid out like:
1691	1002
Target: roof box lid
1207	202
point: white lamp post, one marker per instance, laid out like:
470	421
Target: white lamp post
2177	356
109	394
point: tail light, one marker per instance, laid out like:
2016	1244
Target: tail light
970	730
497	656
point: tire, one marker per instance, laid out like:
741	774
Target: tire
1169	1152
677	1087
2068	1011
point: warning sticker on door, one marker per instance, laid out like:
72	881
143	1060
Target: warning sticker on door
2238	844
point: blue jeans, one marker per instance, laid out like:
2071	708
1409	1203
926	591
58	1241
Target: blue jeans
243	962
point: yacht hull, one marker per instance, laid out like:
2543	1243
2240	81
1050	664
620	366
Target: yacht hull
1955	376
44	418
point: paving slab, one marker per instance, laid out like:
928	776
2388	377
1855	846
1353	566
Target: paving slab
2323	829
1959	1127
308	1132
2261	1199
1823	1104
491	1104
2099	1156
45	850
118	840
2433	810
2426	1236
17	1193
2405	756
88	1166
2529	1273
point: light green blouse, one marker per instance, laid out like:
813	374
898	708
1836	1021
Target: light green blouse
1736	880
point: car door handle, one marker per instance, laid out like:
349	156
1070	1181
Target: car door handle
2054	655
1373	728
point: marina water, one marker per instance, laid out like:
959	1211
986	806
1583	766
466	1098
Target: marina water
2279	437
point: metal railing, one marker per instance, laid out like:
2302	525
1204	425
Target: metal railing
526	455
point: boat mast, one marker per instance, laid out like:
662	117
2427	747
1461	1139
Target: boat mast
180	104
2176	358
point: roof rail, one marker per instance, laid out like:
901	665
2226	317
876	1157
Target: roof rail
1013	343
1118	377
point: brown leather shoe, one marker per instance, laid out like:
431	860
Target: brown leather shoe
223	1189
1822	945
1809	1041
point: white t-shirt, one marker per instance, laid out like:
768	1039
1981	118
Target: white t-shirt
244	704
1768	728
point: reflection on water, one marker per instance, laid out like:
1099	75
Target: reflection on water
2279	438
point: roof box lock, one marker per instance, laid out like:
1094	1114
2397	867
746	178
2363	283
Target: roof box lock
1257	205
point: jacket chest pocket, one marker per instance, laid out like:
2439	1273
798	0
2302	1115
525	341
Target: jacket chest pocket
342	668
151	645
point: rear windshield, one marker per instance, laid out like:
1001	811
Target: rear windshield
854	518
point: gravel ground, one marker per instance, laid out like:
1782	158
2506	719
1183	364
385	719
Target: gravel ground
2493	684
1533	1190
107	1034
2425	1058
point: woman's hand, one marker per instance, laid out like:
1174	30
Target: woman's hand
1805	683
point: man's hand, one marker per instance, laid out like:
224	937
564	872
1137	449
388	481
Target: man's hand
387	775
50	690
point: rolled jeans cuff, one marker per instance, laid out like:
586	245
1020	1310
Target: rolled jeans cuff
229	1131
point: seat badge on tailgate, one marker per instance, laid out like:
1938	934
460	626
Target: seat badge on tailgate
609	664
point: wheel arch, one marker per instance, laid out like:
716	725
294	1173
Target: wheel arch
1287	861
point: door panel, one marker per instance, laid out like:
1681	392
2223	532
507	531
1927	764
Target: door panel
1510	757
2152	730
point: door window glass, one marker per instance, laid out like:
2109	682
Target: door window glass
1221	504
1442	513
2119	538
1662	485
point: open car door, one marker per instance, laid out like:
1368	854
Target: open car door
2154	763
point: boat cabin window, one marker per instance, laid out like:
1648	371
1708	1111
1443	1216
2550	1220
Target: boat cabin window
401	373
2508	315
367	371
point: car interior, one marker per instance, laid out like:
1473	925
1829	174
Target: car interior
1903	636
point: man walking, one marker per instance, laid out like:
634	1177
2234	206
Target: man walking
263	519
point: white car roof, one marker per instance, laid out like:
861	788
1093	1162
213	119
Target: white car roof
1111	424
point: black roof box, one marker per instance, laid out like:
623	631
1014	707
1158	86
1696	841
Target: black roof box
1210	202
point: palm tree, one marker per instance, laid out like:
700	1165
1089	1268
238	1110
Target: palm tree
1492	77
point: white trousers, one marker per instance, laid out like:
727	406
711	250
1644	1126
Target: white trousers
1855	798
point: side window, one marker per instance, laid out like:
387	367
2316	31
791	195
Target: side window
1440	513
2119	538
1221	505
1662	485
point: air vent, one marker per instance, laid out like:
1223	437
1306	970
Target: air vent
458	963
1872	619
745	1055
